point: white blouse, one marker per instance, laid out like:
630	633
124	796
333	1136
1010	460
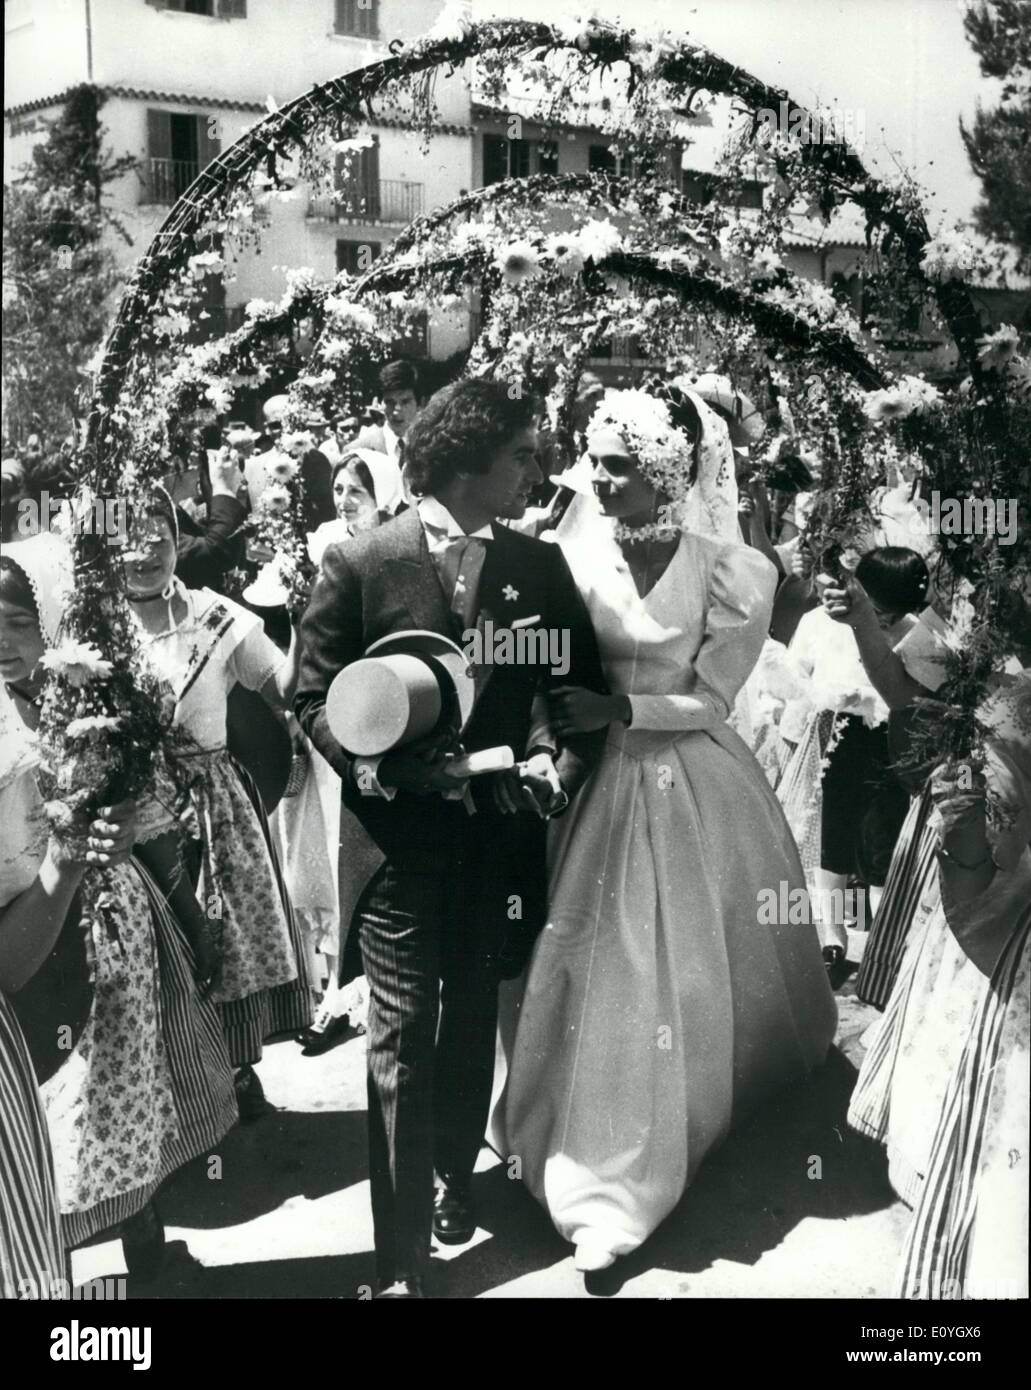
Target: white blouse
217	645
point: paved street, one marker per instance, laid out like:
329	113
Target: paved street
289	1214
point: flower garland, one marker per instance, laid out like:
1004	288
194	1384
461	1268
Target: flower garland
547	297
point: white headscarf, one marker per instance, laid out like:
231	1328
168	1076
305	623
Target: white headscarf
46	561
388	496
385	474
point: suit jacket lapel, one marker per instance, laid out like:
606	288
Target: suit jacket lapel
491	577
412	570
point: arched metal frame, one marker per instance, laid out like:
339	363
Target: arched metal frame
350	96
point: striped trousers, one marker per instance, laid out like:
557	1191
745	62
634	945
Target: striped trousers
430	956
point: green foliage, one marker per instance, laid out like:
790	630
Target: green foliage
998	143
59	274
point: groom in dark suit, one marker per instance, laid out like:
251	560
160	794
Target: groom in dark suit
457	890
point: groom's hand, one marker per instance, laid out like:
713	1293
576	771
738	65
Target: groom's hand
421	766
532	785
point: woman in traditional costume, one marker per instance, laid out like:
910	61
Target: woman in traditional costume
134	1072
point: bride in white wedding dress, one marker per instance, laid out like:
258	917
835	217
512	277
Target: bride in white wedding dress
660	1002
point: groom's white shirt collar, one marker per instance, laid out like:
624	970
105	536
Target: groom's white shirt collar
442	526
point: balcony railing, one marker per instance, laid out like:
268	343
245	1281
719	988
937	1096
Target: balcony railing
387	200
166	180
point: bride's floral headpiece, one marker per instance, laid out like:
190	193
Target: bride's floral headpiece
663	451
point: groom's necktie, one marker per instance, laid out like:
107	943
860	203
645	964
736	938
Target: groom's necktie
463	560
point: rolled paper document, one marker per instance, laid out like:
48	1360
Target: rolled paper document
486	760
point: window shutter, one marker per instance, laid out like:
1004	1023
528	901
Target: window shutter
495	159
357	182
360	18
232	9
209	145
343	185
159	135
370	179
518	158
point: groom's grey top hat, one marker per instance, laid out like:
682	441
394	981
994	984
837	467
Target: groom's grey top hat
401	689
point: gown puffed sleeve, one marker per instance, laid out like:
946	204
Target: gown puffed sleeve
255	657
741	588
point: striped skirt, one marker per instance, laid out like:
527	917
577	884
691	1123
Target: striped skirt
284	1008
913	868
32	1258
944	1087
194	1069
969	1236
884	1095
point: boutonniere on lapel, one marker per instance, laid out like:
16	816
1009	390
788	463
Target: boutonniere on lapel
510	593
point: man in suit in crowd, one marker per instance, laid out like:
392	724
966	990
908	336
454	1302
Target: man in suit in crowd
457	886
401	390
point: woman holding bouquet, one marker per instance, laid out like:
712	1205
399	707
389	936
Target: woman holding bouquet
661	1001
135	1078
201	644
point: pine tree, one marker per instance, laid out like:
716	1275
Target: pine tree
59	271
999	142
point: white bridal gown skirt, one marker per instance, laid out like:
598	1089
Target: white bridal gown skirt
657	1005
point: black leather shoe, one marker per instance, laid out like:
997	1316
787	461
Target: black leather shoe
250	1097
143	1243
454	1221
315	1041
403	1288
838	968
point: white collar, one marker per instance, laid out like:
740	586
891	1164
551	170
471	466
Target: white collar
434	514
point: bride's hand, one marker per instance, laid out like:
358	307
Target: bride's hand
575	710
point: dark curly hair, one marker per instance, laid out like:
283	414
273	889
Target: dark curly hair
460	429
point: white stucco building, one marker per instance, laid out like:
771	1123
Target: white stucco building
183	78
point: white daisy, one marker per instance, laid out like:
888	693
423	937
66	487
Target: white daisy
998	349
518	261
78	662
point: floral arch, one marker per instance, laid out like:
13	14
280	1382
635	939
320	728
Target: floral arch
686	280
